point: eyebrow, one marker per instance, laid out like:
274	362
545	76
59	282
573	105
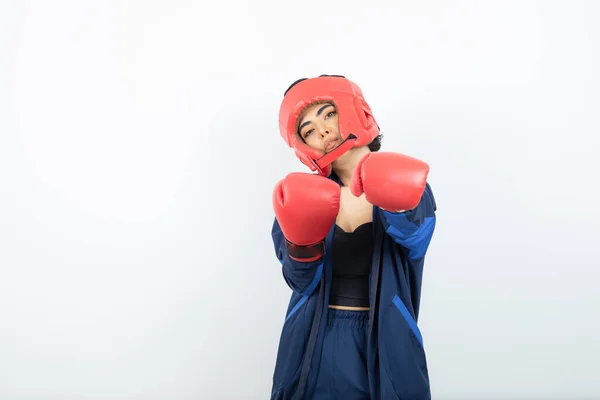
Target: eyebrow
303	125
322	108
319	111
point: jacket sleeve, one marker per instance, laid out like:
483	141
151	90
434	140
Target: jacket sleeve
301	277
414	228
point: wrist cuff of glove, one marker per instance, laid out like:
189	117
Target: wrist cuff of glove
308	253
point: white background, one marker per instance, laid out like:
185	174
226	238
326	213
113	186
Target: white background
139	147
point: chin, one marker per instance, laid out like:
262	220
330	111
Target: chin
329	151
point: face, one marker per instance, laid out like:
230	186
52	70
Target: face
319	127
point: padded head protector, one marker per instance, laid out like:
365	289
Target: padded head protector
356	123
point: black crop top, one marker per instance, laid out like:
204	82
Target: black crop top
352	257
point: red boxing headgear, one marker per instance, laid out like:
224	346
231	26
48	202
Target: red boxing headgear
356	123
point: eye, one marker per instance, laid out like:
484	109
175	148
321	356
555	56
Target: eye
330	114
308	132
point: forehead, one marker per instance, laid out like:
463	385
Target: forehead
313	109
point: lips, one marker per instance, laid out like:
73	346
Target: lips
330	145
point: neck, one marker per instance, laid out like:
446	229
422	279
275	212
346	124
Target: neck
345	165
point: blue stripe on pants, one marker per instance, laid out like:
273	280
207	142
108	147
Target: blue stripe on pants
343	368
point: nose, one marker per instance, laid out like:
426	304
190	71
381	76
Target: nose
325	131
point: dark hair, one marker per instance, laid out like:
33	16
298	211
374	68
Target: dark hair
375	144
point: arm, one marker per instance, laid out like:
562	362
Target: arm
305	207
301	276
413	229
397	184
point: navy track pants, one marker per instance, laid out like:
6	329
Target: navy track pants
343	367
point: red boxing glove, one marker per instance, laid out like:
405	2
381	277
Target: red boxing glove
391	181
306	207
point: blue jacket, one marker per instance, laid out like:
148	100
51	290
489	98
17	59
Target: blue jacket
397	365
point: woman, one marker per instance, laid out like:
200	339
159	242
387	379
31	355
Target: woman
352	240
